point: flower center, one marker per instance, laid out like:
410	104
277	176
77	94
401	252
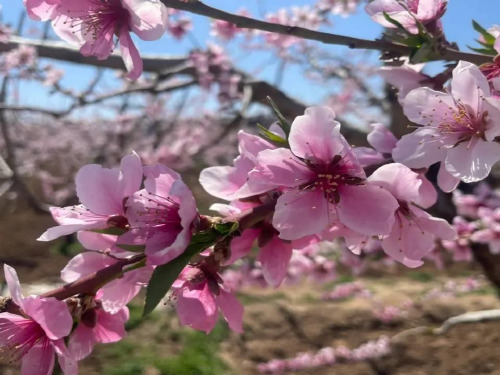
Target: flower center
159	211
462	125
330	177
102	16
18	338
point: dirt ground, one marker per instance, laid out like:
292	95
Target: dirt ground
284	322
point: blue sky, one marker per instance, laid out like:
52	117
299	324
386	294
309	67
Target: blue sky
457	25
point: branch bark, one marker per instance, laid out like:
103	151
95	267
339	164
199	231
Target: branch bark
197	7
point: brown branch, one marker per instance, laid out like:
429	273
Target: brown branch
197	7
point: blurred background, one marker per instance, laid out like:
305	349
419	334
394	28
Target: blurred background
204	82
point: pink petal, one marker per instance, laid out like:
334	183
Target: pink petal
39	360
223	182
98	189
197	309
14	285
367	209
110	327
40	10
424	105
131	167
381	139
472	161
279	168
313	219
232	310
275	256
419	149
469	85
115	295
148	18
316	135
84	264
399	180
241	245
81	342
446	181
427	194
52	315
130	55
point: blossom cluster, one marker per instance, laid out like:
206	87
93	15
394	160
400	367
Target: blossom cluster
329	356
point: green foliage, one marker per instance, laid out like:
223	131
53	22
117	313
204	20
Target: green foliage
282	121
271	137
421	276
198	356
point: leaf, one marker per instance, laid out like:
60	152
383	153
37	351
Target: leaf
490	39
164	276
485	51
271	137
282	121
394	22
226	228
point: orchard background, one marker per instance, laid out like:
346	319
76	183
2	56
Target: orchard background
341	307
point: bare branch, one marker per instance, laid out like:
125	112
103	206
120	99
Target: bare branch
197	7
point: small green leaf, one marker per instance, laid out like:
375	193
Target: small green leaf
164	276
490	39
484	51
226	228
282	121
271	137
394	22
132	248
115	231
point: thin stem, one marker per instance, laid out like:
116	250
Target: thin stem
197	7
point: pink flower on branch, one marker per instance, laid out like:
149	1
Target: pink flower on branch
97	326
93	25
162	215
36	335
457	129
408	13
200	294
414	232
102	193
321	178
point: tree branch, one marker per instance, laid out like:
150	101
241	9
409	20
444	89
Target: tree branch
197	7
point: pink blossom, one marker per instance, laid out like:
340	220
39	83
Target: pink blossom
102	192
35	336
97	326
163	213
404	78
460	247
93	25
382	141
414	231
490	234
322	179
230	183
408	13
456	129
200	296
5	33
274	253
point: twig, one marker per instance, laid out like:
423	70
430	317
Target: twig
469	317
200	8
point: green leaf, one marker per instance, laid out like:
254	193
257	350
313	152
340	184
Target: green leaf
271	137
164	276
490	39
226	228
394	22
115	231
484	51
282	121
132	248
